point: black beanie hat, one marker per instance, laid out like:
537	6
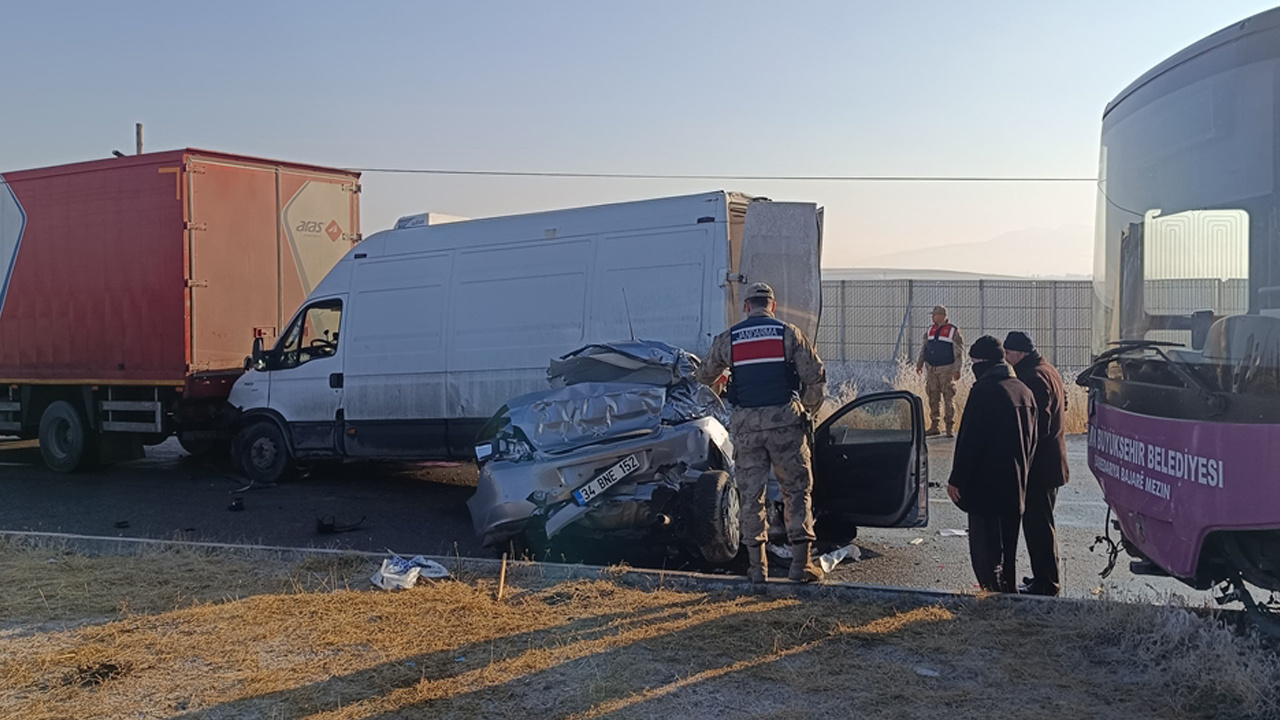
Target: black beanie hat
1018	341
986	348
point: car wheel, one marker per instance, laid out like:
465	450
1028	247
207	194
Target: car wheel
67	443
716	531
262	453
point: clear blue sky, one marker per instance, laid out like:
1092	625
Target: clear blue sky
979	87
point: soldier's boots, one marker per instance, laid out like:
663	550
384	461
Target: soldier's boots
758	567
932	431
803	568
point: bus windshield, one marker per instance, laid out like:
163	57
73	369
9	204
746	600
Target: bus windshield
1186	219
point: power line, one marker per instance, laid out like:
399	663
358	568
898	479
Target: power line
773	178
662	176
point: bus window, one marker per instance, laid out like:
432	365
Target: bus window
1192	261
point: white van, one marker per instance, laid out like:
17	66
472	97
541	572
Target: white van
421	332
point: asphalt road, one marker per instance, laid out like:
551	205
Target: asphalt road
942	562
421	509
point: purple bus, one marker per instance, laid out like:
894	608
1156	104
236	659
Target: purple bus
1184	409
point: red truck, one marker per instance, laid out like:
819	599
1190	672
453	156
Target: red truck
132	288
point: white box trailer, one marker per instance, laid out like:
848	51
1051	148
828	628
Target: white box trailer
422	332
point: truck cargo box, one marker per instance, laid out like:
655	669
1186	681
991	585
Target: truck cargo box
145	269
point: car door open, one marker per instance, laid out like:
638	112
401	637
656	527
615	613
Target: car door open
870	464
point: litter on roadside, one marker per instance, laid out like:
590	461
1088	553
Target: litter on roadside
829	561
951	532
926	672
398	573
917	541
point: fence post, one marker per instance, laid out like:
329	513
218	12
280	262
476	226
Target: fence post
1053	317
911	306
844	323
982	308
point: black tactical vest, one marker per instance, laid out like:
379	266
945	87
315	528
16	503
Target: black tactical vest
762	375
940	349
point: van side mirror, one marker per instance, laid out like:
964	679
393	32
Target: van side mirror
258	360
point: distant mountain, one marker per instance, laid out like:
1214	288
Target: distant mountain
1066	251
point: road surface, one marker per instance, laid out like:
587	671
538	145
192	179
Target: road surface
421	509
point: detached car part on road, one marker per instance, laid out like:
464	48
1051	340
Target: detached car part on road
627	444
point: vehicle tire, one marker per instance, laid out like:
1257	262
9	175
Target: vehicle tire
262	453
715	530
67	443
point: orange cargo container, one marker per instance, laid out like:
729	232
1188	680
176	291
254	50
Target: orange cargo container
132	288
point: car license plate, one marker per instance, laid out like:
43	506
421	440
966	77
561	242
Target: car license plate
607	479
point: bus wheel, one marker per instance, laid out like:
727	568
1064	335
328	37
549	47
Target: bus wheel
66	440
262	453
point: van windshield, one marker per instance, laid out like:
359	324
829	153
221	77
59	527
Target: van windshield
312	335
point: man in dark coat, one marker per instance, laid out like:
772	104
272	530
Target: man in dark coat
1049	466
994	447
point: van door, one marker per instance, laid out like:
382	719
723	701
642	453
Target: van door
870	464
782	246
306	378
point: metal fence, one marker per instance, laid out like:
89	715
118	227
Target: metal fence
885	320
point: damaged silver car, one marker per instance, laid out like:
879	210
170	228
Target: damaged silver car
627	443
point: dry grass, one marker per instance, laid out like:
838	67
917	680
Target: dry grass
846	379
292	641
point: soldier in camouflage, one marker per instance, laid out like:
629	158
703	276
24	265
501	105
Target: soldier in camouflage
776	385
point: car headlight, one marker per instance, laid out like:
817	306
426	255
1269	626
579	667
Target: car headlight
504	448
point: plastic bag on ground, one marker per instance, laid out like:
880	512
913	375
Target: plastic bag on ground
398	573
830	560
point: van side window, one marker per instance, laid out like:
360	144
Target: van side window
312	335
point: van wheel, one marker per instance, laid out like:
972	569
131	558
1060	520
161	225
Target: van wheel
67	443
262	453
716	531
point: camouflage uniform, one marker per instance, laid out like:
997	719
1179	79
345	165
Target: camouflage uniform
940	380
940	385
776	437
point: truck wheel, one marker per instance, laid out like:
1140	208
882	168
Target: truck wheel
262	453
716	531
66	440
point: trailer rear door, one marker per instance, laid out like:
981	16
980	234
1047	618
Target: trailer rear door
782	246
233	255
260	238
319	221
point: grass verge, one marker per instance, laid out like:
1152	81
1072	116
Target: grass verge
181	633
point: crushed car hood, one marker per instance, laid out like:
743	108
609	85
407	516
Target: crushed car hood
613	390
639	361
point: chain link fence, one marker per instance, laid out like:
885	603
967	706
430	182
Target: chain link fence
884	321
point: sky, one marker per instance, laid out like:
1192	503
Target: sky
983	87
